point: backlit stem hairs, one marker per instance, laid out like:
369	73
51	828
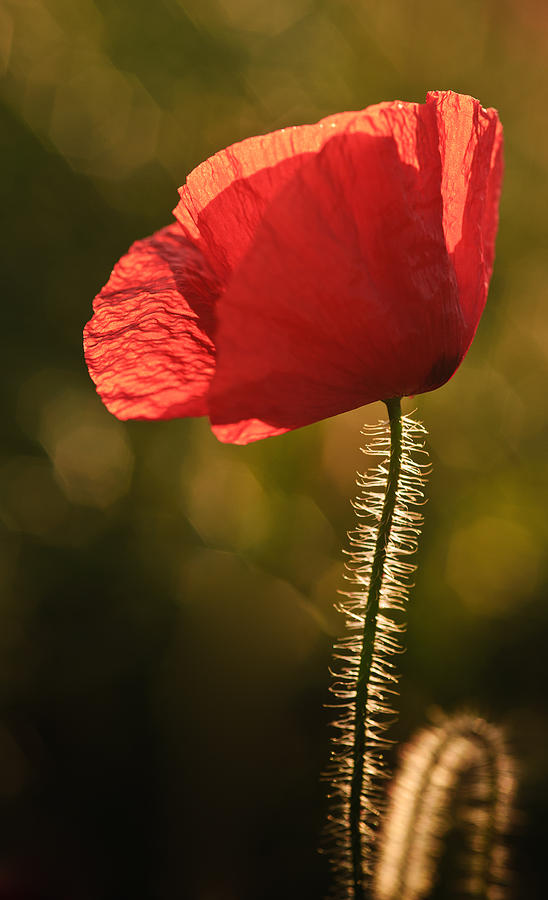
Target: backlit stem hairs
365	678
461	761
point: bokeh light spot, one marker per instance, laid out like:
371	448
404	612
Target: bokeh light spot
265	17
89	449
493	564
226	504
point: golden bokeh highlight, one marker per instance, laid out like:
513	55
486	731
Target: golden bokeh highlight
494	565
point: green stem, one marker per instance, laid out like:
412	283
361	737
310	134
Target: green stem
369	632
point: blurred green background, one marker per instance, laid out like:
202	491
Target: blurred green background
165	607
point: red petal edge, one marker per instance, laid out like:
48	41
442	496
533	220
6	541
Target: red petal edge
470	142
149	346
225	197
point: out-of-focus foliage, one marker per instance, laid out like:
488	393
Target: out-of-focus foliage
165	612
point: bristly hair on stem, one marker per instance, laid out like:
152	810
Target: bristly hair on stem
456	774
365	679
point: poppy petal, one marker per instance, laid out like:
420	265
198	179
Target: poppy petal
343	262
471	153
347	294
149	346
225	197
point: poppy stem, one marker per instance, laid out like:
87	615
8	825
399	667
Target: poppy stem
368	645
365	678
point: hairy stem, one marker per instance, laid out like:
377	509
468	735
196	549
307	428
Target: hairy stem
379	569
369	633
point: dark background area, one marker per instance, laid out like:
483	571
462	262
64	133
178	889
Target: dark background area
166	601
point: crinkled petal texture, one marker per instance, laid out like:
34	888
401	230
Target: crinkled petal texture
149	346
311	271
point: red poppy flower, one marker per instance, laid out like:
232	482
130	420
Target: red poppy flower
309	271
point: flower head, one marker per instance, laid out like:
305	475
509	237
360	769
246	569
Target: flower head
308	272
